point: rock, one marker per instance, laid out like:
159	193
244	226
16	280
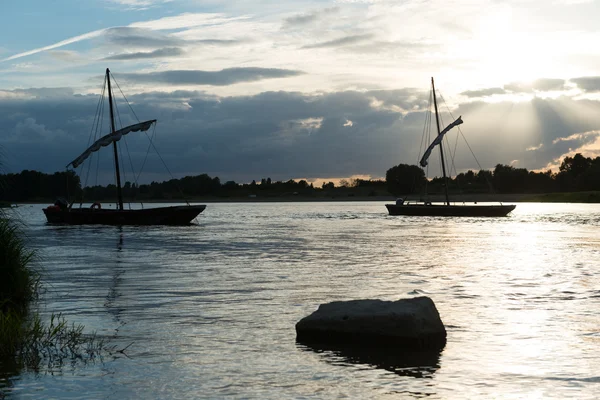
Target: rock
411	323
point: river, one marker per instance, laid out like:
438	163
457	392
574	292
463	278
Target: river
208	310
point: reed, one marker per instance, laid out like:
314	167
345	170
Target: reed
23	336
18	280
19	284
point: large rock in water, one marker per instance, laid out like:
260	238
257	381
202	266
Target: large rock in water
412	323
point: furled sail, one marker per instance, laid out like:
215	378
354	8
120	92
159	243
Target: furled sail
437	141
110	138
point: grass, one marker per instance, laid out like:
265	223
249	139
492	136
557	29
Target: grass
18	281
24	338
53	344
567	197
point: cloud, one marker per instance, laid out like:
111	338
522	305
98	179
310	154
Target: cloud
138	37
484	92
588	83
578	139
541	85
140	34
160	53
547	85
309	18
289	134
219	42
185	20
340	42
72	40
65	55
387	47
228	76
139	4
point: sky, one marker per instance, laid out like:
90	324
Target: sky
304	89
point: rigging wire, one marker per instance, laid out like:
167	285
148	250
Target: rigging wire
425	125
137	177
167	168
151	142
125	97
96	127
473	154
452	154
147	150
98	155
426	134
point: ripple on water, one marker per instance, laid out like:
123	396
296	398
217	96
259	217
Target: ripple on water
209	310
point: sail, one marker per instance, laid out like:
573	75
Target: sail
110	138
437	141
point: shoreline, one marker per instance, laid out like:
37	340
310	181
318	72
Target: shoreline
567	197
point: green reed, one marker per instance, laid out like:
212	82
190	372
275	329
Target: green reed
18	280
23	336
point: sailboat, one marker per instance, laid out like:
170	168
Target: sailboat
62	212
445	209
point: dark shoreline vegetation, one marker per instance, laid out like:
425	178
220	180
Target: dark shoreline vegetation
578	180
26	342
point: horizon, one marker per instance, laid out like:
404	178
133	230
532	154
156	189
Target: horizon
313	90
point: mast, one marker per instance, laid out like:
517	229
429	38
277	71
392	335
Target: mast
437	122
112	125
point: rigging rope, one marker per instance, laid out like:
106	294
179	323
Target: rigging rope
97	124
472	153
151	144
426	138
123	94
167	168
147	150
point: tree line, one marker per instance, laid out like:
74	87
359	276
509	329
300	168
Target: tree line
37	186
577	173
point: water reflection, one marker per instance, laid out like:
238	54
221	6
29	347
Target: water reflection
117	272
403	362
211	310
9	370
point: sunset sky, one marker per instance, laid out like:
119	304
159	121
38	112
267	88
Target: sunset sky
300	89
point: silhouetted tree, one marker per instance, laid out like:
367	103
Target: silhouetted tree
404	179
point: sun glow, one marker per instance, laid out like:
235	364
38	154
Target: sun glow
503	51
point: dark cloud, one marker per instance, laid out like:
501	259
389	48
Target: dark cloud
306	19
588	83
286	135
228	76
484	92
341	42
159	53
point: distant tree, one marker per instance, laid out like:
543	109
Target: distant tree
404	179
508	179
575	165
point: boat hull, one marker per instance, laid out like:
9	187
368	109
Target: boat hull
175	215
442	210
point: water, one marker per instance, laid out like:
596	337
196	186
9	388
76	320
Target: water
208	311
